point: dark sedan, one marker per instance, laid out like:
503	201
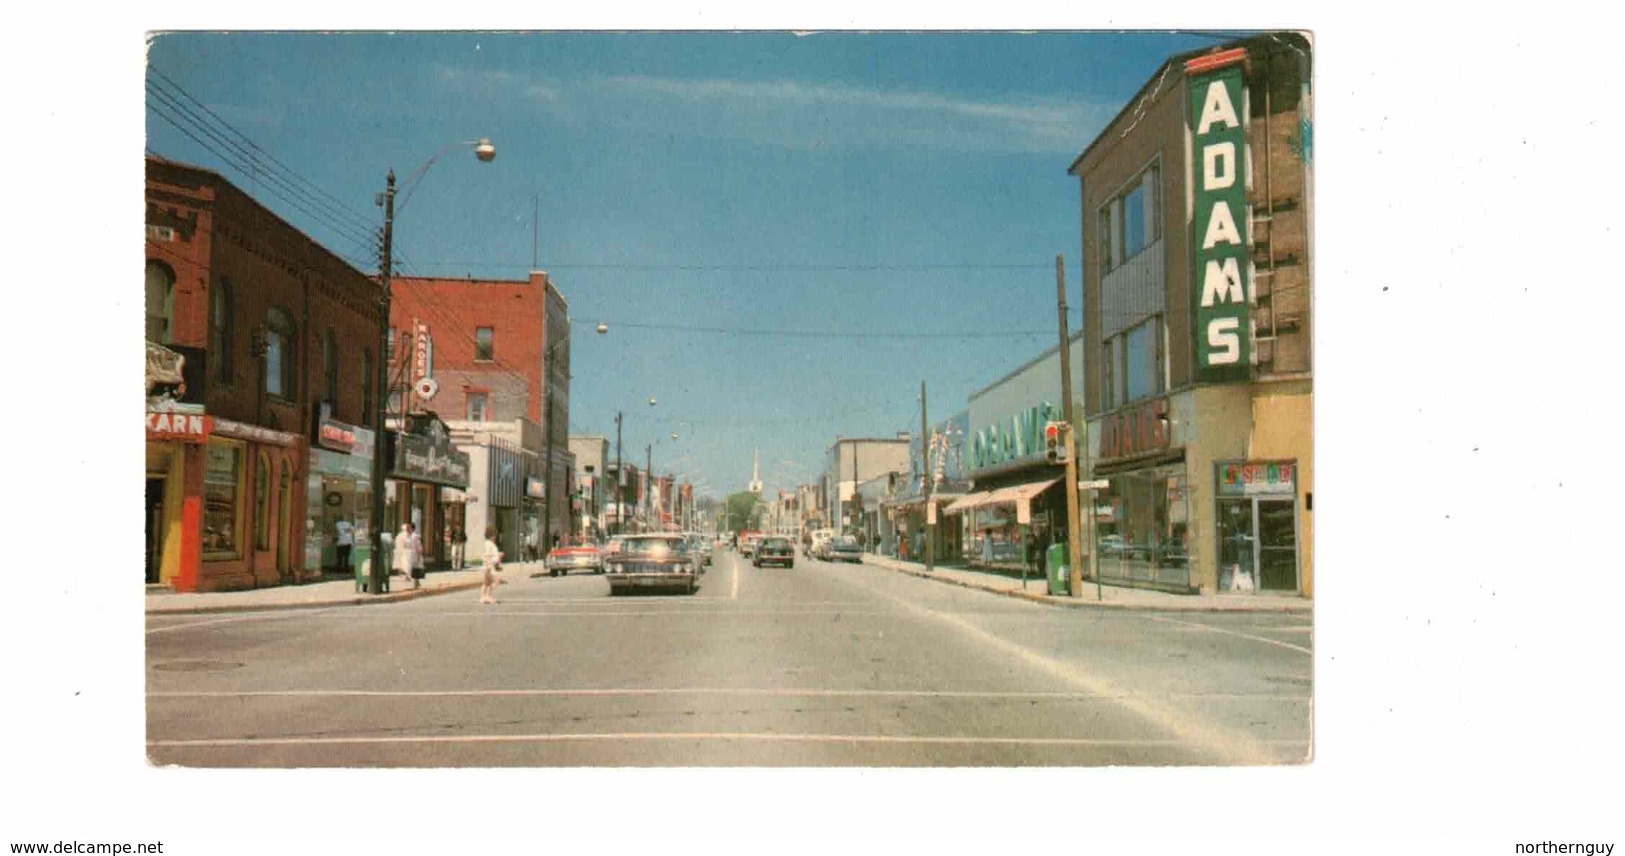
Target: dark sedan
774	551
653	561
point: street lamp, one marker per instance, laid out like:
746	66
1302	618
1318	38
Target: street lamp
484	151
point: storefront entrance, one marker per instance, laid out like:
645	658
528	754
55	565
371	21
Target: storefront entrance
1258	545
155	528
1258	526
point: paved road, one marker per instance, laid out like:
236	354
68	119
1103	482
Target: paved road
844	665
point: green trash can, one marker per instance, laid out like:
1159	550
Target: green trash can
1059	574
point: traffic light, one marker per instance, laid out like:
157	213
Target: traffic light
1054	445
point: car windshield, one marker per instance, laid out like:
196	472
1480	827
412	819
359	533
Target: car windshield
776	542
844	543
655	546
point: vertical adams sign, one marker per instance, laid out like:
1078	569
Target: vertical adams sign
1220	228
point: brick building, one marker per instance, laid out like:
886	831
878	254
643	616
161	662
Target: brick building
1196	228
277	338
487	344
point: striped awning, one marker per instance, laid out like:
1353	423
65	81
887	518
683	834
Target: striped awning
968	501
1014	493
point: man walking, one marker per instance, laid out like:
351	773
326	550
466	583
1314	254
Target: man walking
344	540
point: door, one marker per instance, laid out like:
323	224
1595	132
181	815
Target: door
1237	548
155	528
1277	545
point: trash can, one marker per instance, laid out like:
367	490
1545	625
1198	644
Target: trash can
1059	574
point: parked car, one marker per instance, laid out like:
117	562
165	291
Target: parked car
775	550
700	546
653	561
572	555
1113	546
843	549
748	542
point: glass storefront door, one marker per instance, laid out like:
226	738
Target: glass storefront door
1277	545
1258	545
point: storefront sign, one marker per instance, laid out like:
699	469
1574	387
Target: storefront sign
1135	431
1019	437
1257	478
335	435
184	427
422	459
241	431
1221	225
535	488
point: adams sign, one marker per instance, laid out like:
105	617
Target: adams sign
1221	224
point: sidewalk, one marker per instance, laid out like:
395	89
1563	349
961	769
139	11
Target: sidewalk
339	592
1114	597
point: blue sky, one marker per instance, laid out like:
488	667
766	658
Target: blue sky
840	187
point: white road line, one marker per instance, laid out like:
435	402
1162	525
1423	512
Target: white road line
693	691
678	735
665	612
252	616
735	594
1226	632
1192	726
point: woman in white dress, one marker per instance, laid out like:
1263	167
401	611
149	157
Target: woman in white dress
491	561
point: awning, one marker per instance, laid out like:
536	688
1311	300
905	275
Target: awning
968	501
1021	492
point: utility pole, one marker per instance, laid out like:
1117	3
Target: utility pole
620	479
1074	538
649	478
928	488
380	570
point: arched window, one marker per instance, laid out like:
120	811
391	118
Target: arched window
262	504
160	303
330	368
281	374
222	335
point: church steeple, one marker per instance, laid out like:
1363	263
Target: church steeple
755	473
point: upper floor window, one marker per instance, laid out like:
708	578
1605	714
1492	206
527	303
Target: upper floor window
484	346
478	407
1132	220
281	375
222	332
160	303
330	368
1132	364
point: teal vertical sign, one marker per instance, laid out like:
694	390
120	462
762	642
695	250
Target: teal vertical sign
1219	239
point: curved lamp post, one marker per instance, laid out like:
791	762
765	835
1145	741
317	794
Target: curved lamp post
485	152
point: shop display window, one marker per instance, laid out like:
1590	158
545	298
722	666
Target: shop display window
222	475
1142	527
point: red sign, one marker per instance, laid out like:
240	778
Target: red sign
337	435
1135	431
185	427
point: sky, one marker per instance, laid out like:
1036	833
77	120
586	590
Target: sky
755	216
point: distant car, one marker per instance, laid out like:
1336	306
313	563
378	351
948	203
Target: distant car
574	556
1113	546
843	549
700	546
653	561
747	544
774	550
815	547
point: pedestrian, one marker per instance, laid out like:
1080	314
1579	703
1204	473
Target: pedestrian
530	546
459	543
491	561
343	541
418	570
407	550
919	545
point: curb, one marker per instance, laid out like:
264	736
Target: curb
353	600
1084	604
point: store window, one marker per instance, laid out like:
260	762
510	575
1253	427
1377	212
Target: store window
160	303
222	474
484	344
1142	527
222	332
280	360
262	504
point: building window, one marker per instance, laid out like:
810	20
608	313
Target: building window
222	471
1132	221
477	407
390	348
366	387
160	303
330	368
395	397
222	336
1132	364
262	504
484	347
280	360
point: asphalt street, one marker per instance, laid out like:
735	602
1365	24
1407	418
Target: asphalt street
819	665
